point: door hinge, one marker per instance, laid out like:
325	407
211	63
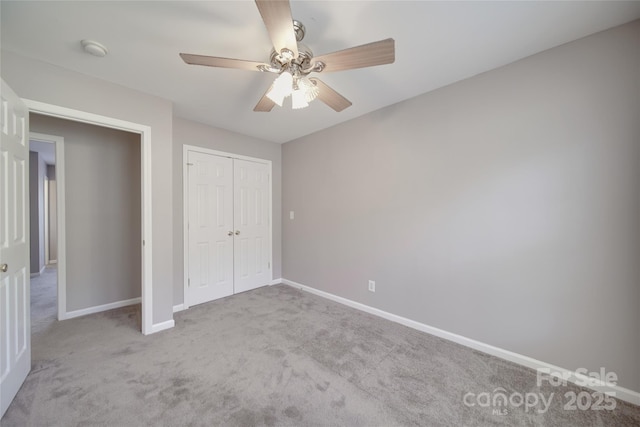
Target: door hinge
189	164
269	265
189	281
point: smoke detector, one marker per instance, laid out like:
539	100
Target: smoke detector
94	48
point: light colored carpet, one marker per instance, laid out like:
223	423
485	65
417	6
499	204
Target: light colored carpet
275	356
44	303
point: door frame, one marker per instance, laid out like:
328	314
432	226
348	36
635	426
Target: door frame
58	142
146	200
185	209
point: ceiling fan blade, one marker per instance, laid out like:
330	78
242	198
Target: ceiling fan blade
276	15
366	55
265	104
214	61
330	97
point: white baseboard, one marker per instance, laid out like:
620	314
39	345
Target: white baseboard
99	308
39	272
574	377
180	307
52	261
157	327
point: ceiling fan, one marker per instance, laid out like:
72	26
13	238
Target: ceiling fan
294	62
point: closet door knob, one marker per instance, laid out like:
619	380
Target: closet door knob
237	232
230	233
4	268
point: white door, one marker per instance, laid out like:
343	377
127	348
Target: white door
210	227
251	221
15	325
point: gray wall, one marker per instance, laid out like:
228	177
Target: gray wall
102	206
186	132
47	83
503	208
37	170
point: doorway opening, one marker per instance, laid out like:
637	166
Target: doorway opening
43	224
145	237
101	221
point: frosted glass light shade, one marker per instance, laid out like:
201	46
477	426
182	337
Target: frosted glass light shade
311	90
282	87
299	99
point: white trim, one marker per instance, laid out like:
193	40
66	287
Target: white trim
100	308
58	141
178	307
276	281
574	377
53	261
46	214
185	208
157	327
270	214
185	229
204	150
146	233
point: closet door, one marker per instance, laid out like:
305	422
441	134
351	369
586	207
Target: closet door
210	227
251	220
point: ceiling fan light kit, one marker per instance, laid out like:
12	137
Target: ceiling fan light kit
299	87
294	61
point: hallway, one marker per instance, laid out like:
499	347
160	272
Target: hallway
44	301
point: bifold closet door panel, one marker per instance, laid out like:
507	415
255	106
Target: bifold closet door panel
210	227
251	220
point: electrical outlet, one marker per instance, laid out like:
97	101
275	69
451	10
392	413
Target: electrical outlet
372	286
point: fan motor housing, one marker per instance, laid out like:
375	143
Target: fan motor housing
303	60
299	29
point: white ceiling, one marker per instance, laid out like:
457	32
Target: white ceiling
437	43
